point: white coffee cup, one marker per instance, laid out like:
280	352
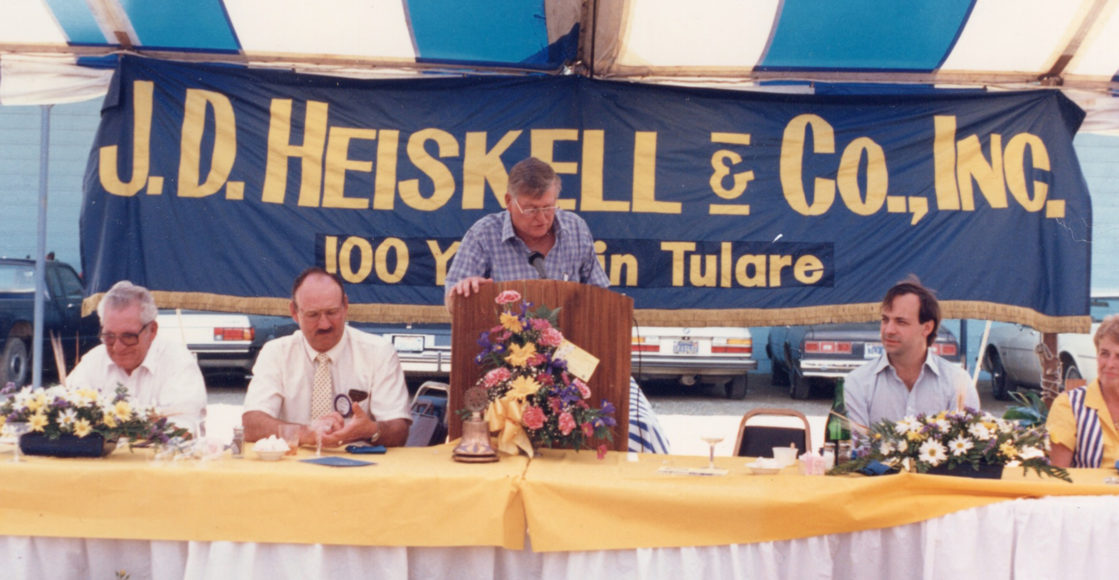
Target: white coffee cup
785	456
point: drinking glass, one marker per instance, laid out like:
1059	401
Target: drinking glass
17	430
712	439
289	432
320	427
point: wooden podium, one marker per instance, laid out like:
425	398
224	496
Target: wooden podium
596	319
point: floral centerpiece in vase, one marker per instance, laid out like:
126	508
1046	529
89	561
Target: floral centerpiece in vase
952	442
534	401
61	414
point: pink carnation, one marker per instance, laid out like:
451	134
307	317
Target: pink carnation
541	324
566	423
533	417
496	377
602	451
556	405
537	360
588	429
545	379
551	337
508	296
583	388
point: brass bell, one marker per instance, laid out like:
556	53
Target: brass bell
475	444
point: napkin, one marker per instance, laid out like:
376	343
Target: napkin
876	468
337	462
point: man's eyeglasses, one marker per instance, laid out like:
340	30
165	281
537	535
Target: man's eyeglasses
533	212
125	338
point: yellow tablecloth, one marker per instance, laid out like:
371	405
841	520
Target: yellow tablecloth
565	501
412	497
576	502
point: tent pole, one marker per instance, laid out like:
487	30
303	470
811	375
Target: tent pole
41	248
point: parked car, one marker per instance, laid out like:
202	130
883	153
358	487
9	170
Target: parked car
704	354
62	315
1011	355
424	349
221	341
829	351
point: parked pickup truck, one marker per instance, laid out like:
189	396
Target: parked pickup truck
62	314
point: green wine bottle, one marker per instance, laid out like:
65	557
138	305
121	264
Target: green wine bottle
838	428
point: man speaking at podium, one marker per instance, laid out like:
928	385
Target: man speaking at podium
533	238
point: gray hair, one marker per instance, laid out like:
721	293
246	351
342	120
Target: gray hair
124	294
533	178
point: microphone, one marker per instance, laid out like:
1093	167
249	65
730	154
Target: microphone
537	261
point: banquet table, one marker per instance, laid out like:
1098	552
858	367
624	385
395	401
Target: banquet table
416	513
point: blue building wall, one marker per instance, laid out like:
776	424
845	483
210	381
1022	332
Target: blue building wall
73	127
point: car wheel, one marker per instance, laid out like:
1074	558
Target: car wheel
736	387
1000	383
799	387
780	376
16	365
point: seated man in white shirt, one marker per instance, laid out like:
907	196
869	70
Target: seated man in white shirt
907	378
297	378
157	371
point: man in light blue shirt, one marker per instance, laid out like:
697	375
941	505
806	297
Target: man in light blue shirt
501	246
907	378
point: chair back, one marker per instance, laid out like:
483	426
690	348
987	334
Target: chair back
759	440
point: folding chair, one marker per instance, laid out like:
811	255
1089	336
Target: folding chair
755	440
429	415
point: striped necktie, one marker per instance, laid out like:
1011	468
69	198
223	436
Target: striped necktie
322	393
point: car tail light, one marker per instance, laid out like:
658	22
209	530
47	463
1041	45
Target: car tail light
735	346
945	348
646	344
239	333
827	347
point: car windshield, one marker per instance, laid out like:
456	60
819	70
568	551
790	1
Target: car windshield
16	278
1103	306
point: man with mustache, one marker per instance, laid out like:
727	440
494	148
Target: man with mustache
296	378
907	378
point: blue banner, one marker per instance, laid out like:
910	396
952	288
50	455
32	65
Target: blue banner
216	185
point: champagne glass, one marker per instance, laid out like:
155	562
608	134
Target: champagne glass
712	439
17	430
320	427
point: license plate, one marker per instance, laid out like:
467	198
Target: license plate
872	349
408	343
685	347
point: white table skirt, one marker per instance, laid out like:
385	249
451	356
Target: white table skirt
1058	537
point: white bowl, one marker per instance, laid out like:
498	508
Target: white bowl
270	455
767	468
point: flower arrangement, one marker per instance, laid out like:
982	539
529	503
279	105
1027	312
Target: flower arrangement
533	399
956	439
61	410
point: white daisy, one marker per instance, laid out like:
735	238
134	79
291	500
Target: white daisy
980	431
66	419
932	452
960	445
906	425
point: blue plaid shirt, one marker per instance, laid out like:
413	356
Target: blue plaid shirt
491	249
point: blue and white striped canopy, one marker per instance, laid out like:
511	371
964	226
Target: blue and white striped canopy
60	50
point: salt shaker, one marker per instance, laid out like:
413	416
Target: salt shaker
237	446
